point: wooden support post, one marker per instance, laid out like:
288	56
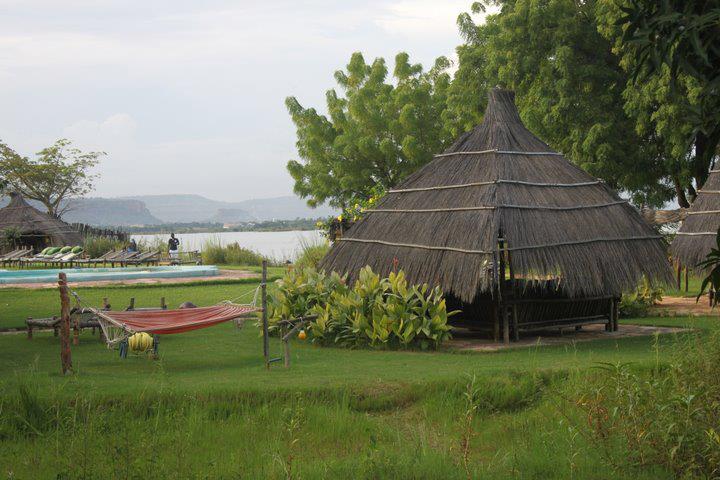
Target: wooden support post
106	304
506	325
616	315
516	329
132	304
65	356
56	329
687	275
263	296
496	323
163	305
679	275
286	347
611	310
29	329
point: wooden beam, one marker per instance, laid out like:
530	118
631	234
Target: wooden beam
65	355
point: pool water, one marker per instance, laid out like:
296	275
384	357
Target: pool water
96	274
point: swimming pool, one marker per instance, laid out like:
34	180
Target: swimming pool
97	274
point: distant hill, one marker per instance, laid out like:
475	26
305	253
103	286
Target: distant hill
103	212
159	209
196	208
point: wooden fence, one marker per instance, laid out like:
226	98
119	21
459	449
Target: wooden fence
87	230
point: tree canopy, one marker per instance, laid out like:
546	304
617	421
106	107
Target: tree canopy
593	79
58	172
375	133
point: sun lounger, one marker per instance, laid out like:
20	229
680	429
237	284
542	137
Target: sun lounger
144	258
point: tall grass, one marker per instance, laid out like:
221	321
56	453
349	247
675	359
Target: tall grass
98	246
414	431
215	253
311	252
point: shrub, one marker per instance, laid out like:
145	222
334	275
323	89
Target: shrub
375	312
214	252
666	417
95	247
311	254
638	302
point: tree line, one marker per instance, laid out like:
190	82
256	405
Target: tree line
626	89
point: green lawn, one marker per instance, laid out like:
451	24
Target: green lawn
209	408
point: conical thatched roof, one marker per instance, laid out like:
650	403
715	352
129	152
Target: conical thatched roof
30	221
443	222
696	236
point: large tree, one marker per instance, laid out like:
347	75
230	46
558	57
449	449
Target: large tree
671	48
570	88
375	133
58	173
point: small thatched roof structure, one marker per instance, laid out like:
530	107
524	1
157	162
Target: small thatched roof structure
43	228
500	185
696	236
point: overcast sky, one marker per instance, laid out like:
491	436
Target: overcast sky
187	96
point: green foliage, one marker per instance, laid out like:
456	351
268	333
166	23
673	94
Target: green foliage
667	417
215	253
638	302
311	254
569	87
333	227
377	132
376	312
96	247
712	265
59	172
669	106
10	237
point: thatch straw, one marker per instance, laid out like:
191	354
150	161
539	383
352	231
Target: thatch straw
30	221
696	236
442	223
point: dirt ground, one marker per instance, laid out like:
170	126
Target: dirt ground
684	306
224	275
466	340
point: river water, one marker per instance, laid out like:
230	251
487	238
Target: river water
279	246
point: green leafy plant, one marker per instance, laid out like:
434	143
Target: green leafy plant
712	265
375	312
638	302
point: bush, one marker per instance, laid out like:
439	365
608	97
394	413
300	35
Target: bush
375	312
214	252
667	417
311	254
95	247
638	302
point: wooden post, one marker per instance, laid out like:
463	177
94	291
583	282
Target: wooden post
163	305
30	329
263	296
686	279
516	329
132	304
616	313
679	275
65	356
501	283
496	323
611	314
106	305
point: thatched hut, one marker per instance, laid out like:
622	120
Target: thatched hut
696	236
516	235
37	229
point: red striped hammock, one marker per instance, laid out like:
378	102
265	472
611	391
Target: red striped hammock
175	321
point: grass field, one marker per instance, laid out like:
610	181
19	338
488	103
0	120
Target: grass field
209	408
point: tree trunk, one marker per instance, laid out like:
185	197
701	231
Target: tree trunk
703	156
680	193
